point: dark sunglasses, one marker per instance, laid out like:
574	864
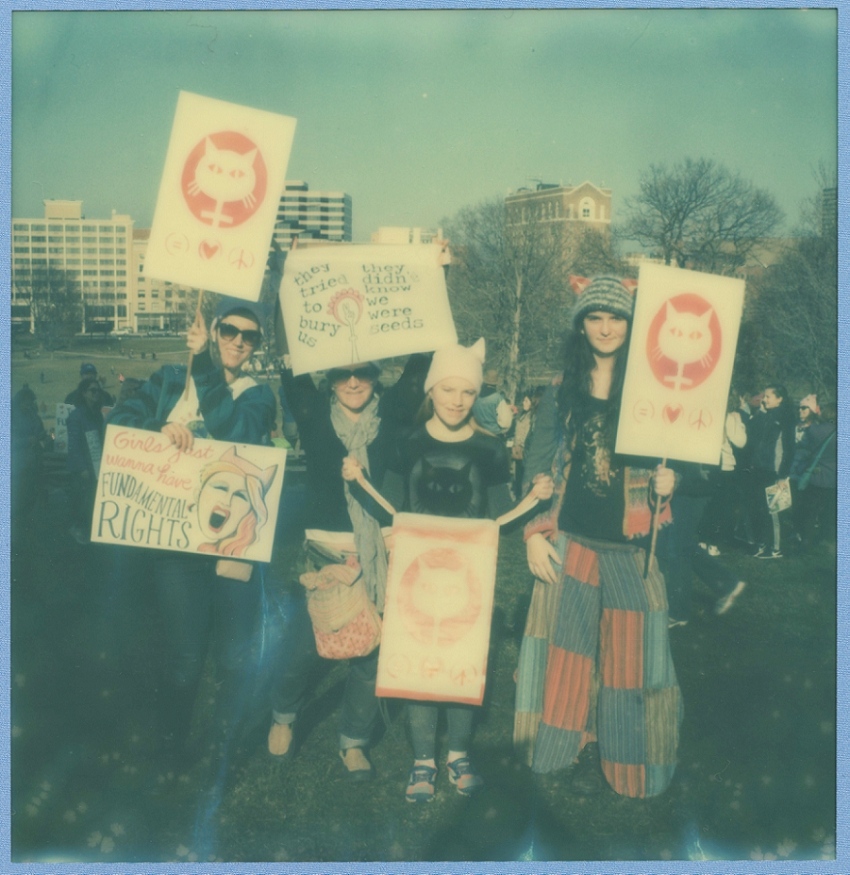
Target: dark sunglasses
251	336
343	375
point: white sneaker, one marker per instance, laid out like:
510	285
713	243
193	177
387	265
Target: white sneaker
712	550
723	604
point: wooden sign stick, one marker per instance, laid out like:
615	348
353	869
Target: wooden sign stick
191	353
361	479
524	506
654	530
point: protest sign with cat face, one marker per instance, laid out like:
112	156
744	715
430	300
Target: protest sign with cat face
438	608
684	334
218	198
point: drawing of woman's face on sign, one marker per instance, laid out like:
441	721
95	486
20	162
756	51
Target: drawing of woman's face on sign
231	504
222	505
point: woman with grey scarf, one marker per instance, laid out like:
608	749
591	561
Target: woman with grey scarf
343	526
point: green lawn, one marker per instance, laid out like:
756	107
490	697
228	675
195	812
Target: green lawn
756	777
756	774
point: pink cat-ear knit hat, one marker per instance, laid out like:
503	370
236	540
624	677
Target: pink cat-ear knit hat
455	360
607	293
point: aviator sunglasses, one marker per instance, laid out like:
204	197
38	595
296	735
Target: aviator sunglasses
251	336
343	375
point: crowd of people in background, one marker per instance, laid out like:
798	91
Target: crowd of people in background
458	447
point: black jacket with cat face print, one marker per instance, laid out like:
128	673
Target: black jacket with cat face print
464	479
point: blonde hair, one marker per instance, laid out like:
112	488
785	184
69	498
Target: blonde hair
256	484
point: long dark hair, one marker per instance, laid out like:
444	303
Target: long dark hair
575	390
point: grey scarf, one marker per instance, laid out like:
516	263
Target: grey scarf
356	437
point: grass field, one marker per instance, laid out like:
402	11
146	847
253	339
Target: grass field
61	369
756	776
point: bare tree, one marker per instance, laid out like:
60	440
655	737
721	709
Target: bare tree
699	215
504	278
795	302
55	303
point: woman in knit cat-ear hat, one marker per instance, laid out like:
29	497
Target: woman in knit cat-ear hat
595	663
452	469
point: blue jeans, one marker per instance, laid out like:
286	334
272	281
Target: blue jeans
298	661
199	608
680	556
423	728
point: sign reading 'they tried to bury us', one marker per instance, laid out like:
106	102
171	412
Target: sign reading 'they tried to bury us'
224	173
682	350
220	498
347	304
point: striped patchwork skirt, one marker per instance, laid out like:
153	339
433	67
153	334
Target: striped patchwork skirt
595	664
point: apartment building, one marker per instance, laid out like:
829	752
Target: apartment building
315	217
95	253
105	260
156	304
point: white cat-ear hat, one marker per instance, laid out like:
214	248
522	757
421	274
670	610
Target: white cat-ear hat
466	362
610	294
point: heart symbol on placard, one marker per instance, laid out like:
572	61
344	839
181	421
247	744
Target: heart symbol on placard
208	249
671	412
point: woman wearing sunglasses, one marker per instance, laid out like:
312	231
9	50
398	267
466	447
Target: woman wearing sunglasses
347	417
198	606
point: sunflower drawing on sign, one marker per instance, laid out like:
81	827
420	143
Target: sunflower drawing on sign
684	342
224	179
232	503
347	308
439	597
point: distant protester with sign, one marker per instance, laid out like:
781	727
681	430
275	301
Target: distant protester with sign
595	673
771	445
85	445
197	604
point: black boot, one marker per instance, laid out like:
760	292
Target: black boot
588	778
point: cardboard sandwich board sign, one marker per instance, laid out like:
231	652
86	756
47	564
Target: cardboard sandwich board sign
438	608
220	499
679	370
60	433
343	305
218	198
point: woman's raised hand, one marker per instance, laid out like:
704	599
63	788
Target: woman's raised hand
351	468
179	435
663	481
197	337
543	558
543	488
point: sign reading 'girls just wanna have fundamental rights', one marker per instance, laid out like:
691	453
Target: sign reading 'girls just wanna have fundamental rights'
218	198
220	498
343	305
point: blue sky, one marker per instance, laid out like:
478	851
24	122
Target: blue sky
417	114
